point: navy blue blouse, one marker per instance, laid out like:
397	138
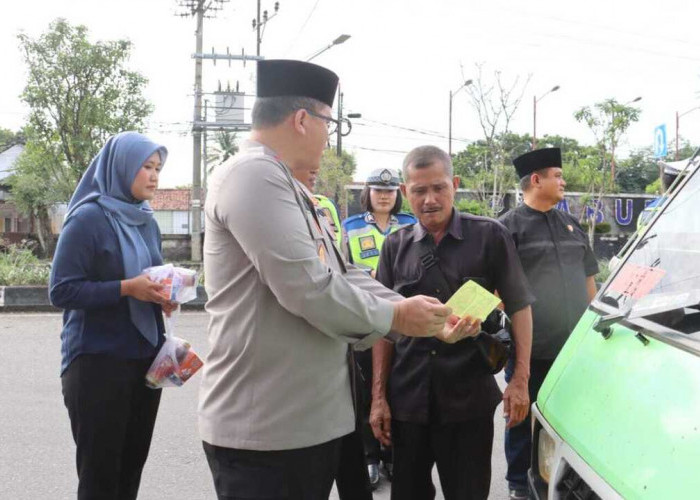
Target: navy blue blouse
85	281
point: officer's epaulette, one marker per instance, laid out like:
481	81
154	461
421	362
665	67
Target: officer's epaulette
354	222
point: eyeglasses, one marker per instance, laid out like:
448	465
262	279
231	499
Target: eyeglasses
333	124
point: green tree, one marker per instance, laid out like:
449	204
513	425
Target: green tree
475	158
336	173
637	171
495	102
608	120
79	93
8	138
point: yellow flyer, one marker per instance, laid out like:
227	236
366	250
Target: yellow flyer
474	300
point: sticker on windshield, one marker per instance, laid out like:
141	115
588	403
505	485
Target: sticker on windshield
637	281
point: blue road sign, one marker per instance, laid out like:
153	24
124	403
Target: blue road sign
660	144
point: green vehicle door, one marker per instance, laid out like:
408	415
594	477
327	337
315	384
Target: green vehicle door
628	402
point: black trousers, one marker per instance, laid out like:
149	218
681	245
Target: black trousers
462	452
112	415
352	479
518	439
297	474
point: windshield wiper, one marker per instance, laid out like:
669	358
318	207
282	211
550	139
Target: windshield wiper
645	240
603	324
648	306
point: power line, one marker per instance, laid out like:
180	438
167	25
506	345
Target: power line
605	44
296	38
429	133
377	150
616	29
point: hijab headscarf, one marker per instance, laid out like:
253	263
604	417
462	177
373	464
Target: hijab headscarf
107	182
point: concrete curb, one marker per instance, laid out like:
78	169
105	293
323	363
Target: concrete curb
36	298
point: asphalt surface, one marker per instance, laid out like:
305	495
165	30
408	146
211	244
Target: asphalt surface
36	447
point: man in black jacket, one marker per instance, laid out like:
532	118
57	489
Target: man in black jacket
441	400
560	267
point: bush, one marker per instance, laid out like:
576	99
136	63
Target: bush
19	266
473	207
654	187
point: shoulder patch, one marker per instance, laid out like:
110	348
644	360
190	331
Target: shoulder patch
406	218
354	221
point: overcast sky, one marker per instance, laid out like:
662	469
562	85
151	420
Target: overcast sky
401	62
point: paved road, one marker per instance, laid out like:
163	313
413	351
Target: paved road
36	448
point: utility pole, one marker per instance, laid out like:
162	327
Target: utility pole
257	38
196	228
343	119
259	24
197	9
205	159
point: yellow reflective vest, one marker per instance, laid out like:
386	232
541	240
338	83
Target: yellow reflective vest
330	211
364	239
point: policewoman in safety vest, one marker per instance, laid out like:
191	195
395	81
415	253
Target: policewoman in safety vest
363	236
364	233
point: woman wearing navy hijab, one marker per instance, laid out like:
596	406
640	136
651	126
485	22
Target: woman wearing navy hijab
113	322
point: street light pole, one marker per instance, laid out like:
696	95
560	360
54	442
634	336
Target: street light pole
678	117
449	133
535	100
612	146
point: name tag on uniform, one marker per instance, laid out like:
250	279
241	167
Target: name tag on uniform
368	247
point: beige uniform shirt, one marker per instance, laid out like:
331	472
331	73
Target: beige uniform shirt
282	313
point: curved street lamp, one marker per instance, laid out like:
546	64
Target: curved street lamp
452	94
535	100
337	41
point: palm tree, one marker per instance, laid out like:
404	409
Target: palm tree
224	147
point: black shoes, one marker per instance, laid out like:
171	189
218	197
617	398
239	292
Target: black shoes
518	494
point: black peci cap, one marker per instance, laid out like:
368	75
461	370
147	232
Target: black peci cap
536	160
281	77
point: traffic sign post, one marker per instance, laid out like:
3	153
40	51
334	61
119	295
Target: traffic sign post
660	143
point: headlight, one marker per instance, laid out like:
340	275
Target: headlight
545	454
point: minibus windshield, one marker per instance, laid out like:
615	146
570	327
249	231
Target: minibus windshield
660	279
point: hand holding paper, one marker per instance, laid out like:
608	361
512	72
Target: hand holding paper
473	300
457	328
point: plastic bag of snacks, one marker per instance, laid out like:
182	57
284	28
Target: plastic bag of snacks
179	284
174	364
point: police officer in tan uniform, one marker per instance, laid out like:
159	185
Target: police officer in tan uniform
275	397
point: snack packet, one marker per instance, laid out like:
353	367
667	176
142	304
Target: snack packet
175	363
179	284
